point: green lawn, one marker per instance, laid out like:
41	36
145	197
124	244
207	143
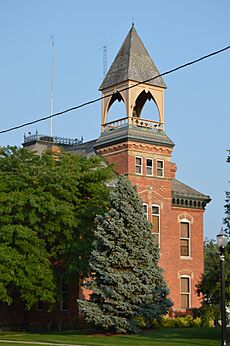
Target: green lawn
170	337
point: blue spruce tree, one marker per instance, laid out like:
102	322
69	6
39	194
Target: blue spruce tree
127	283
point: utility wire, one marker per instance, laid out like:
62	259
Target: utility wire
103	97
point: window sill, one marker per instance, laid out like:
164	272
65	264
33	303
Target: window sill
187	258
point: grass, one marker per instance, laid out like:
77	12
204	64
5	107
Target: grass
161	337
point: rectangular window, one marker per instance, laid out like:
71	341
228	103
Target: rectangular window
149	167
184	239
156	222
138	165
145	206
64	295
185	292
160	168
39	306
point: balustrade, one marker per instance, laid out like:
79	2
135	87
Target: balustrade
135	121
56	140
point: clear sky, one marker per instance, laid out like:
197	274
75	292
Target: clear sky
197	112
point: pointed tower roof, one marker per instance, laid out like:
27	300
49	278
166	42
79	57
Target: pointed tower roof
132	63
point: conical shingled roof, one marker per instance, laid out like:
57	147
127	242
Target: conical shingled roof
132	63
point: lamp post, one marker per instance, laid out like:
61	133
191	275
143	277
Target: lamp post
222	241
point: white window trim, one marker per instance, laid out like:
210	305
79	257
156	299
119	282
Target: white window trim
159	220
189	293
189	246
139	157
61	295
149	158
163	169
146	214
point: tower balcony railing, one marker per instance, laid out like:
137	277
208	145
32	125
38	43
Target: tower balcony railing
135	121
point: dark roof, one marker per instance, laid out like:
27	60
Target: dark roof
138	134
83	149
132	63
179	189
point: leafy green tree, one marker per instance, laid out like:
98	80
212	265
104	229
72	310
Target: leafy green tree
126	281
209	286
48	204
25	268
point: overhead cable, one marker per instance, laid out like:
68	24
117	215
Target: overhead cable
103	97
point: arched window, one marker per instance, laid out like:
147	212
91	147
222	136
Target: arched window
145	206
64	295
185	237
185	291
156	222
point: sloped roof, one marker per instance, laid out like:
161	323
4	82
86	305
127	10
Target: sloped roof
132	63
85	148
180	189
135	133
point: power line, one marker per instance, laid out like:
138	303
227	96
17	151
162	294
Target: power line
103	97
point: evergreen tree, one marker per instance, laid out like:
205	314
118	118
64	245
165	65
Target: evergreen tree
209	285
126	281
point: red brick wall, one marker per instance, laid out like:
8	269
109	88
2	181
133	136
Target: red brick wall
173	264
15	315
56	318
154	190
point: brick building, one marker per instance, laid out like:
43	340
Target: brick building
141	149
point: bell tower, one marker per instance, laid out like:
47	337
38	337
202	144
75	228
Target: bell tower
125	82
139	147
133	79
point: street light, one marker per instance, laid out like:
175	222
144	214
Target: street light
222	241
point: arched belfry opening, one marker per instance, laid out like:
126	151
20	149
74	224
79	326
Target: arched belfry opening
116	108
146	107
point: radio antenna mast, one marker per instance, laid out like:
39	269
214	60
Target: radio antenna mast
104	60
52	86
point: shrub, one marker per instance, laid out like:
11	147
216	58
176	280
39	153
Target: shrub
168	322
140	322
197	322
183	322
178	322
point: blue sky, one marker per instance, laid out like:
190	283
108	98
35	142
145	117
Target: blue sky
197	112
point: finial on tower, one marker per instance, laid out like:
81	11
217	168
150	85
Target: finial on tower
132	22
